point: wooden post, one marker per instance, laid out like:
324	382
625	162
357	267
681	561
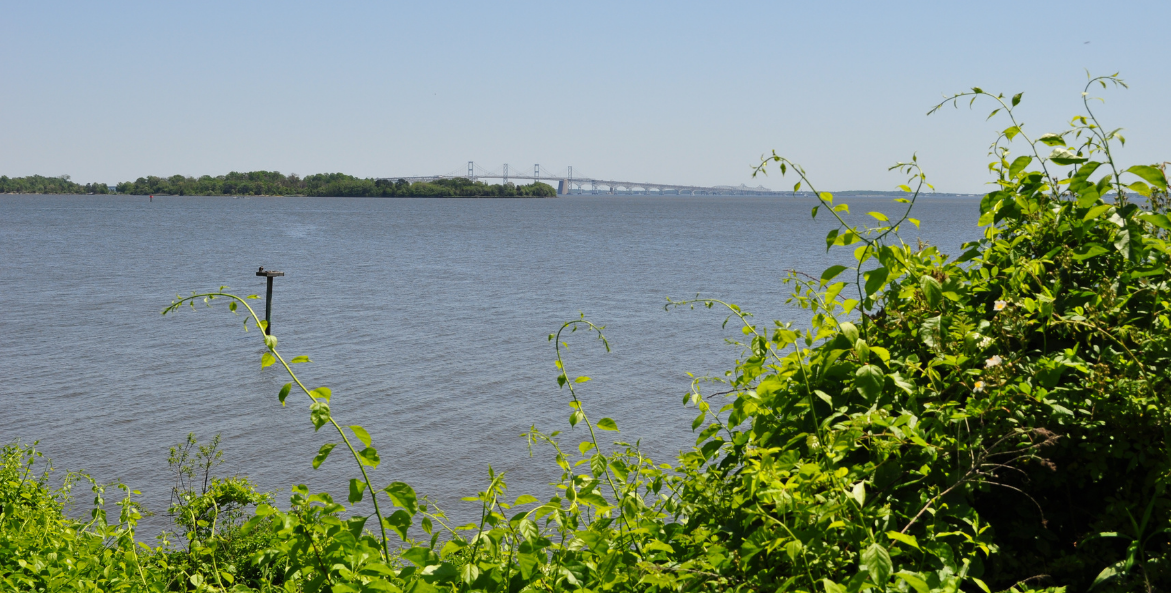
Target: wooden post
270	274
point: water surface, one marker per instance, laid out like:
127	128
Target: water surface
426	317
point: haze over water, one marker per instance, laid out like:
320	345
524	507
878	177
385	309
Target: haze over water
427	318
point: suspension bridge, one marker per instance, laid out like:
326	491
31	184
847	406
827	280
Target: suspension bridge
569	184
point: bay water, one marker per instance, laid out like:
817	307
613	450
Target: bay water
428	319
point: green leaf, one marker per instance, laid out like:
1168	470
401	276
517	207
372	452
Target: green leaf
319	414
1016	99
575	417
849	330
421	557
877	562
830	273
1097	211
929	330
1081	179
1159	220
361	434
528	564
1140	188
284	392
1087	251
597	464
1151	175
832	587
399	522
868	381
1019	165
322	393
527	529
1109	573
879	216
402	495
607	424
322	454
369	456
910	540
299	359
525	499
980	584
266	360
1052	139
916	583
357	488
582	379
932	291
1065	156
698	420
468	573
1122	242
1011	132
875	279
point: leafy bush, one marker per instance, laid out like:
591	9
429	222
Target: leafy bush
995	421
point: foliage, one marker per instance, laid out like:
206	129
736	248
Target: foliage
211	511
37	184
43	550
273	183
995	421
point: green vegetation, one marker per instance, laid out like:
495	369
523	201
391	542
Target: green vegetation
48	185
993	422
272	183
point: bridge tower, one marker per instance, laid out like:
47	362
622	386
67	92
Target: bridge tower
505	173
537	171
471	171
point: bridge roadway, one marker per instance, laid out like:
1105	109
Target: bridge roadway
577	186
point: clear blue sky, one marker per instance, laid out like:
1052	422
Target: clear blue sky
669	92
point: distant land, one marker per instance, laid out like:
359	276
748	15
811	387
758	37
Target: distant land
273	183
37	184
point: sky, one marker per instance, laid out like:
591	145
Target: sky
661	92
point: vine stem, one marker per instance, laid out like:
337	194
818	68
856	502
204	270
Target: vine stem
272	348
872	243
619	498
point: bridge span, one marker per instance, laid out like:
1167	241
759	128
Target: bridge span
568	184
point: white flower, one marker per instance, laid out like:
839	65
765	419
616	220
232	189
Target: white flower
986	342
994	361
978	387
999	305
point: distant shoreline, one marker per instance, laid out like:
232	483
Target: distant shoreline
854	194
275	183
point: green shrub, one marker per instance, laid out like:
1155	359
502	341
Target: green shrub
996	421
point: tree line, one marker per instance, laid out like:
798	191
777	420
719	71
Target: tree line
37	184
274	183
